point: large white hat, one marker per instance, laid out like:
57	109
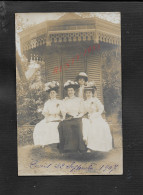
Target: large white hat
90	86
71	84
54	85
82	75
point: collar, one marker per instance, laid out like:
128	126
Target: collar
90	99
53	99
72	97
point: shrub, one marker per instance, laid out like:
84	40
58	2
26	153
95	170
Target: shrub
111	82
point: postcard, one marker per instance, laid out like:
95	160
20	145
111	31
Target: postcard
68	86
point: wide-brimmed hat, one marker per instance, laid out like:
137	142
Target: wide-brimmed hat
90	86
71	84
54	85
82	75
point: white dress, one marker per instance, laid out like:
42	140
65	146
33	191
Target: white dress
73	106
96	130
46	131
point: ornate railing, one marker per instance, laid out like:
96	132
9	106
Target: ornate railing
68	36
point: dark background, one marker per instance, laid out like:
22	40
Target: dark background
131	181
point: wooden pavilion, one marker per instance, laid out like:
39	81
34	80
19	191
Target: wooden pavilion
70	45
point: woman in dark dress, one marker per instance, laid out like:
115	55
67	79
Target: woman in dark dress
70	129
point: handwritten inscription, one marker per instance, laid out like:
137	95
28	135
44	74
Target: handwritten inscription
75	59
74	167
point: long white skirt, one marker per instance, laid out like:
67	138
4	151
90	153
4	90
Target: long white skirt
46	133
97	134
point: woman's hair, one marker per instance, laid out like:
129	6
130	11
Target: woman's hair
72	88
92	90
84	78
56	90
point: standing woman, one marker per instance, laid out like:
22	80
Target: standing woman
46	131
82	78
70	129
95	129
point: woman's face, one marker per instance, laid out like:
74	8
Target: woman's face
53	94
71	92
81	81
88	94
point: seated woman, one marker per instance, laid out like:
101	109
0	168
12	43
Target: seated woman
96	130
46	131
70	129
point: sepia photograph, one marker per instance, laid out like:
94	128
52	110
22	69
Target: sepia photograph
69	93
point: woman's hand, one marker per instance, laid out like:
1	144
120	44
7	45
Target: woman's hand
80	115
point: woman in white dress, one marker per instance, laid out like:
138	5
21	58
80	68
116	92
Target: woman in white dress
46	131
96	130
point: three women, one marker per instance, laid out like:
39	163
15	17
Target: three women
65	122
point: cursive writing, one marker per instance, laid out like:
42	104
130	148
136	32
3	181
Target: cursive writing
74	167
36	164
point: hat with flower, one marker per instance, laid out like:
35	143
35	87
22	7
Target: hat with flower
90	86
71	84
53	85
82	75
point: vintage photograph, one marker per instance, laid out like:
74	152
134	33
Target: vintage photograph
69	95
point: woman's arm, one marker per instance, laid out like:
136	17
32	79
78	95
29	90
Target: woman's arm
97	108
45	111
63	109
100	106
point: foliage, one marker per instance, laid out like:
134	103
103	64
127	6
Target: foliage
30	92
25	135
30	99
111	82
22	23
